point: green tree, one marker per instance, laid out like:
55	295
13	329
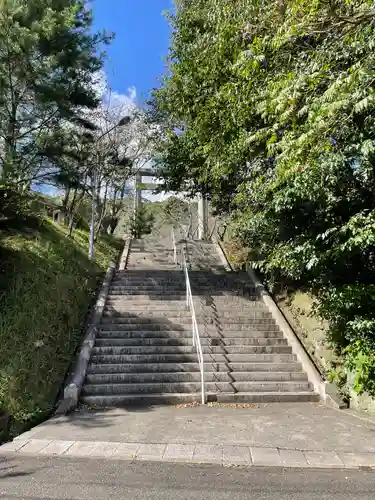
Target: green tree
142	223
276	101
176	210
48	57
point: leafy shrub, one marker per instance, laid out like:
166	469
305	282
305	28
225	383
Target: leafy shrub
142	223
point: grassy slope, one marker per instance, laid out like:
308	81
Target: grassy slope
47	284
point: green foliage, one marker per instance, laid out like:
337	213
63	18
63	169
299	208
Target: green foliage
142	223
361	361
176	210
274	103
13	205
48	57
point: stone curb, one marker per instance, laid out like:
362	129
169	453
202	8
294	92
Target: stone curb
225	455
75	382
223	257
125	255
308	366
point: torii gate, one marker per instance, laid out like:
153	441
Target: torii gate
202	202
139	186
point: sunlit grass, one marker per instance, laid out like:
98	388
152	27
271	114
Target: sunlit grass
47	284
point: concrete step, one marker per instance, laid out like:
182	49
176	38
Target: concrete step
145	326
168	293
247	349
147	273
191	358
124	323
224	291
125	306
148	378
145	298
203	303
169	398
122	309
144	333
165	282
127	368
167	268
150	286
140	303
241	341
224	284
239	321
223	288
184	317
153	279
143	342
187	341
237	300
195	376
178	323
140	399
182	311
155	349
198	290
264	376
268	397
124	316
185	387
236	314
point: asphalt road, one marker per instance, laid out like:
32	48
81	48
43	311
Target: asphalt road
61	478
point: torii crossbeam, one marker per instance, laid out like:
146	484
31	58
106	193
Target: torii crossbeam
202	202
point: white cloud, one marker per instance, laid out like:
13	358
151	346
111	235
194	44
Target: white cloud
132	91
127	100
103	91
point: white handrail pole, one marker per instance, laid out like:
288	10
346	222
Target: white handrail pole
195	330
174	246
202	383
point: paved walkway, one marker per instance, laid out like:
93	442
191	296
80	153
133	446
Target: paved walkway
289	435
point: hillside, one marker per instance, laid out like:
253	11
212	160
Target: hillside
47	284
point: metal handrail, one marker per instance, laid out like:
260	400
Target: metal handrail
196	337
174	246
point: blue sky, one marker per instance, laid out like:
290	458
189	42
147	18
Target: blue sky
135	58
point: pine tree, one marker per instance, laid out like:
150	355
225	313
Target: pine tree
47	61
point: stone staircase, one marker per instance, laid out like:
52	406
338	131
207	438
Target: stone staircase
144	352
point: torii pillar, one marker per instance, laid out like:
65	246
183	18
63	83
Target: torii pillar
139	186
202	218
138	192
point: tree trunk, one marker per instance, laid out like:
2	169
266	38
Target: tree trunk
65	205
93	216
71	213
66	199
102	213
114	225
10	139
74	206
